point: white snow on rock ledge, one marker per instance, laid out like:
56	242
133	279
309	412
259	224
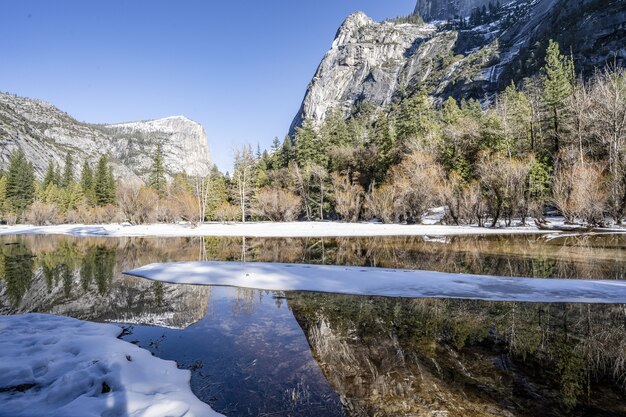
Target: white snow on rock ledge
56	366
266	229
383	282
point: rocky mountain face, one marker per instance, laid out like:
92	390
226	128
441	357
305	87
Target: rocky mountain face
45	134
447	9
379	63
369	61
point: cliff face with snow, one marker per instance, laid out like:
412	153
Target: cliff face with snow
447	9
380	62
369	61
45	134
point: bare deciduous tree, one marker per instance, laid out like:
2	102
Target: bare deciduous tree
277	204
137	203
348	197
243	178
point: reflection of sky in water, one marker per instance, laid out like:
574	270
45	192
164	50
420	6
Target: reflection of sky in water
248	355
253	353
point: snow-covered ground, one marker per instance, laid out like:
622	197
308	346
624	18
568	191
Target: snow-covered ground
383	282
265	229
59	366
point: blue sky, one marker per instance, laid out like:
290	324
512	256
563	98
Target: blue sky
238	67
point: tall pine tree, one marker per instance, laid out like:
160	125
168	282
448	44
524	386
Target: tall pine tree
68	171
20	191
557	87
86	182
103	185
157	172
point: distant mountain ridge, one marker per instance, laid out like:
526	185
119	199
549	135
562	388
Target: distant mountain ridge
44	133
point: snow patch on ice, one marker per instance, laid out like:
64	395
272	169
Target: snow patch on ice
59	366
383	282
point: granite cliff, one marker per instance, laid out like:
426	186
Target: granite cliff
44	133
454	54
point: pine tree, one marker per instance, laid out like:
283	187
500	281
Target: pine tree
111	187
86	182
335	130
68	171
557	87
287	152
20	191
415	120
308	149
50	177
104	186
157	172
384	140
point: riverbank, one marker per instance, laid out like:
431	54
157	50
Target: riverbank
267	229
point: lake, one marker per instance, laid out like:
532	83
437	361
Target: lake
265	353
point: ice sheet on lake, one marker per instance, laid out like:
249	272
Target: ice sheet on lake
383	282
59	366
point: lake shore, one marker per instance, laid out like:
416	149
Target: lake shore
267	229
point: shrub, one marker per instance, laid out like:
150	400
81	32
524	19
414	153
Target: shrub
40	214
227	212
277	204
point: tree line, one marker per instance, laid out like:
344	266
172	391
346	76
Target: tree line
552	141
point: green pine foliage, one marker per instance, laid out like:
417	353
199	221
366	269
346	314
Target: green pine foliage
557	87
87	183
20	186
157	178
103	183
68	172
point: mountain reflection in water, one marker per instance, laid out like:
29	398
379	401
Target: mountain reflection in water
256	353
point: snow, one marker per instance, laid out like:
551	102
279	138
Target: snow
268	229
57	366
383	282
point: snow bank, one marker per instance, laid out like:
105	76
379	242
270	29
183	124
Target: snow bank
59	366
383	282
266	229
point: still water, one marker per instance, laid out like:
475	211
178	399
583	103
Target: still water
260	353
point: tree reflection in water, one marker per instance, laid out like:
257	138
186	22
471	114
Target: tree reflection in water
385	357
389	357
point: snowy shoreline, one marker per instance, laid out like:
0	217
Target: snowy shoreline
60	366
267	229
384	282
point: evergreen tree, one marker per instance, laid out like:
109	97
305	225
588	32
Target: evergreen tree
68	171
50	177
557	87
384	140
308	149
287	152
415	120
335	130
217	195
103	184
20	191
111	187
86	181
157	172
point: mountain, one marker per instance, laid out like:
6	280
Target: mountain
448	9
45	134
472	57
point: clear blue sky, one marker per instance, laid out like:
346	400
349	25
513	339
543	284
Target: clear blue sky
238	67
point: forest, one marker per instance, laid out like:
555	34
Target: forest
552	143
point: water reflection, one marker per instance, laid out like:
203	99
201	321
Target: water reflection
266	353
389	357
